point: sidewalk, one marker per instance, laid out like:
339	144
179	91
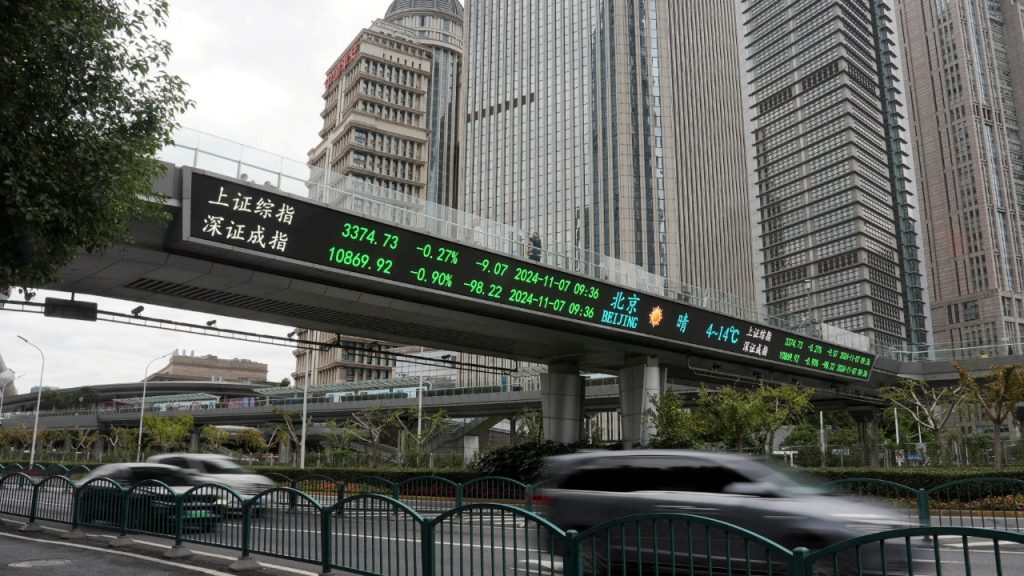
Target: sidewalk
51	553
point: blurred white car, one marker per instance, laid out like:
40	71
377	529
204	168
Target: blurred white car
218	469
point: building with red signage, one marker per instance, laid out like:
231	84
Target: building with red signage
375	113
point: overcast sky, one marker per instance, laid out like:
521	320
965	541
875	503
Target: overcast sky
256	71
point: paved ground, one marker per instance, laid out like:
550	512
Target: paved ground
51	553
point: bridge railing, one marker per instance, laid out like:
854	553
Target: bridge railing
376	534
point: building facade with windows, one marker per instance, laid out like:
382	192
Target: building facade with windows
437	25
614	129
835	203
375	126
967	89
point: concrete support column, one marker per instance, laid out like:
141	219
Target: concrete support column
193	442
637	383
561	400
868	425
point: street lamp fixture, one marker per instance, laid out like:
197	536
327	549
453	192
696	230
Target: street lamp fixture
142	406
39	397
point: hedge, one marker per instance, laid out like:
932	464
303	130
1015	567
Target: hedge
915	477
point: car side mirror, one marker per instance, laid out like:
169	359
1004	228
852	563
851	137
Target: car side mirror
750	489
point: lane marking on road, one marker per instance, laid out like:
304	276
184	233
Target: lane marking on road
199	569
138	539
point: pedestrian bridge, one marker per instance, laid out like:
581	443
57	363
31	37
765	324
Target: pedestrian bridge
314	249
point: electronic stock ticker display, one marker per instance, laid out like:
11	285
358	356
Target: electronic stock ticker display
229	213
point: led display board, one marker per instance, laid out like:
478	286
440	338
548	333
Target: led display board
229	213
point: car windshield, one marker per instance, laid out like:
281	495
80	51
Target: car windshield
786	480
225	467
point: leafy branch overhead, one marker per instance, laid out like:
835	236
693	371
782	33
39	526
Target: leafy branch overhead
87	104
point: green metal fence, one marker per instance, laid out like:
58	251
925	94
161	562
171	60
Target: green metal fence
377	534
994	503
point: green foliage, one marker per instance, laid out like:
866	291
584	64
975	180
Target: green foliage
998	397
213	436
529	426
87	104
521	462
676	426
122	442
344	474
167	433
929	406
739	418
251	441
915	477
416	432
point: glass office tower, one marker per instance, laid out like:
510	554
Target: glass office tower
836	214
613	127
967	88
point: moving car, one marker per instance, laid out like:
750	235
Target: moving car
150	506
583	490
218	469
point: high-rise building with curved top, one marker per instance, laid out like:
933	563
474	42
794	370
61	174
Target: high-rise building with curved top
438	26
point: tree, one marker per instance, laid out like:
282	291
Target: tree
929	406
122	441
87	104
251	441
48	439
51	400
998	397
784	405
84	440
213	436
414	438
738	417
370	427
167	432
675	425
287	429
529	426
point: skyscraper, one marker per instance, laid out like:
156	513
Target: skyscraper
613	128
837	220
967	88
438	26
375	112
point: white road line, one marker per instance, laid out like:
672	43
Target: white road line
199	569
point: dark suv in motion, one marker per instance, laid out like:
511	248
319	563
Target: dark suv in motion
584	490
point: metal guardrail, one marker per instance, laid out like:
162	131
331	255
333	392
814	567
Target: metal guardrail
985	502
990	502
374	534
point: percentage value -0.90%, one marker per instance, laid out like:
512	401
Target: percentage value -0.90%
433	277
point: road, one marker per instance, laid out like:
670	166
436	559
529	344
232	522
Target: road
380	539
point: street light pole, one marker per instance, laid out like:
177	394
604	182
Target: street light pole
419	410
39	397
305	399
142	406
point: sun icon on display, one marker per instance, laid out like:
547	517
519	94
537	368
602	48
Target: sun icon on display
656	316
